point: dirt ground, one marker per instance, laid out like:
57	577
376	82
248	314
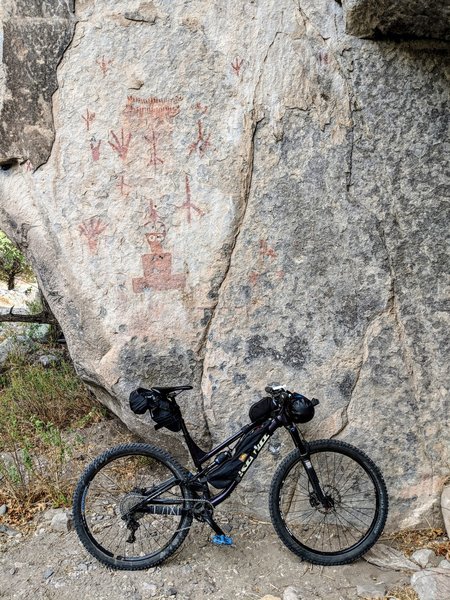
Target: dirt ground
49	565
41	563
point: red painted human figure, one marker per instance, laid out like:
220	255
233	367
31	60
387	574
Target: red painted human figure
188	204
157	265
202	142
95	150
155	159
104	64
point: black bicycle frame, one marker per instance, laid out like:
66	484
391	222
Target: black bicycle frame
199	457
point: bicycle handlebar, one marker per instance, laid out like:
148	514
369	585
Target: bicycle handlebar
281	393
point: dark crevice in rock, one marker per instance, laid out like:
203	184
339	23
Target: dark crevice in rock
239	221
351	136
364	352
408	358
255	122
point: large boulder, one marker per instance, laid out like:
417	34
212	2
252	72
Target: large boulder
400	18
241	193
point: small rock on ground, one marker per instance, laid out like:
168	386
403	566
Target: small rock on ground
371	590
389	558
445	506
61	521
291	593
429	585
149	589
47	573
8	530
425	558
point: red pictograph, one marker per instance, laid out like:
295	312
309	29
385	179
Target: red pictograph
123	186
188	205
153	217
156	109
28	166
91	229
157	265
154	159
121	145
236	65
95	150
202	142
324	58
261	267
88	118
201	108
265	250
104	64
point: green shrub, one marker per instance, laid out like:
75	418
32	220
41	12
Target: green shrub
12	262
37	405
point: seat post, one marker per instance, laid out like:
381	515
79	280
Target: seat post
195	451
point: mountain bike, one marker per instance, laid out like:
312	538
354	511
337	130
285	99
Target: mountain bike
135	504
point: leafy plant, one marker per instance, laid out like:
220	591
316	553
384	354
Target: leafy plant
12	262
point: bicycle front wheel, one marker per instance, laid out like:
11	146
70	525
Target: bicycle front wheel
106	520
357	504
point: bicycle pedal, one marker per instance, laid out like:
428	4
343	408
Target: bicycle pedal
222	540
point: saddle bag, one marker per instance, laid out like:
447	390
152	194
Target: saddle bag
162	410
224	474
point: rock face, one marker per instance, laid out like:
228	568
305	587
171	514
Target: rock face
33	37
417	18
239	194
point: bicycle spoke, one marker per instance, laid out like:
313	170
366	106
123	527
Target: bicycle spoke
346	483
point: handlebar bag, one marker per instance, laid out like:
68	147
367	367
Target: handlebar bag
260	410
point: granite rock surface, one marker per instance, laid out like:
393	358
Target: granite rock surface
235	195
402	18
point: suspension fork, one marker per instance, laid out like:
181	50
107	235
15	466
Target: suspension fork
305	457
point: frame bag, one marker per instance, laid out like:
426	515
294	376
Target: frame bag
223	475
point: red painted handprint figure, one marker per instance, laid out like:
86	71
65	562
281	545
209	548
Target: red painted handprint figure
120	146
236	65
91	229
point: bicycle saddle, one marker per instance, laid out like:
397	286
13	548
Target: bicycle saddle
171	388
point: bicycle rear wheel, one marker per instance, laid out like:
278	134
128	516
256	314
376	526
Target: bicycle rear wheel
358	504
106	520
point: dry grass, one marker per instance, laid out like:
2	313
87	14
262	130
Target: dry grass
410	540
402	593
38	407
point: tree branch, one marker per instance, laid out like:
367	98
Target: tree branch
42	317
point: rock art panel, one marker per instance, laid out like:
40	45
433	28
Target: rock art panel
239	195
